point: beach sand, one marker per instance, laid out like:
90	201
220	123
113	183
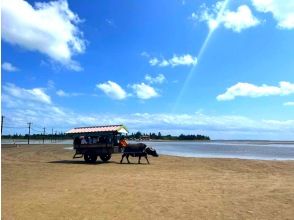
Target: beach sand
44	182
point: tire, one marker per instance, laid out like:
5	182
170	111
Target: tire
90	157
105	157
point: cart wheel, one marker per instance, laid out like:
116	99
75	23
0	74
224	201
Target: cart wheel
90	158
105	157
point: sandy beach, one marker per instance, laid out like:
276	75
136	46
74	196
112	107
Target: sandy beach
44	182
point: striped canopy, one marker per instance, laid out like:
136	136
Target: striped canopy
99	129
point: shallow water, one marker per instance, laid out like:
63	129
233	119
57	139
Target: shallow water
227	149
261	150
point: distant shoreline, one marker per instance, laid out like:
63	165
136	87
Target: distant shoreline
231	141
48	141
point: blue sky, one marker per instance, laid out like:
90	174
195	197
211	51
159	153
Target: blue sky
220	68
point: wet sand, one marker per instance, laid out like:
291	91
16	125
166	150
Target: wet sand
44	182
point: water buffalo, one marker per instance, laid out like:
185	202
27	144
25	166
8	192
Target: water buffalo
138	150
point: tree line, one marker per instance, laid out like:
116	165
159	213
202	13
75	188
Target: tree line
38	136
159	136
138	135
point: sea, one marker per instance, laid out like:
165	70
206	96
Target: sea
253	150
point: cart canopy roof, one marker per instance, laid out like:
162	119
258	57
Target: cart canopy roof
96	130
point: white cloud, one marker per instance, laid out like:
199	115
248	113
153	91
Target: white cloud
62	93
160	78
113	90
282	11
250	90
211	15
164	63
194	16
289	104
35	94
20	109
145	54
239	20
218	15
9	67
49	28
111	23
22	105
51	84
184	60
144	91
219	122
153	61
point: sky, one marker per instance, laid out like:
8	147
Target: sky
218	68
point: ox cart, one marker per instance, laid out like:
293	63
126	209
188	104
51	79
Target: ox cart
94	141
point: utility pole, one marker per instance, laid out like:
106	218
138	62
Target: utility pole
55	136
52	136
44	129
2	119
30	123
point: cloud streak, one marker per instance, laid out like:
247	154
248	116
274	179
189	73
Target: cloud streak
288	104
9	67
159	79
184	60
21	105
35	94
62	93
249	90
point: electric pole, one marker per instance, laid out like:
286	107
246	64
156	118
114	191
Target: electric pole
30	123
52	136
44	129
2	119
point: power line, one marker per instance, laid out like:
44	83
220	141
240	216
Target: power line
13	127
38	127
36	130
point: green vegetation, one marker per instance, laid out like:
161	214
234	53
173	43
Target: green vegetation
159	136
56	136
138	135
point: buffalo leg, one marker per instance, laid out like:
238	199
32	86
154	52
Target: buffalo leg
147	159
128	158
122	157
139	161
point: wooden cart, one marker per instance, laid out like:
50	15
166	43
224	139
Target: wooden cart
94	141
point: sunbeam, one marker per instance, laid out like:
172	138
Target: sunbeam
212	29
